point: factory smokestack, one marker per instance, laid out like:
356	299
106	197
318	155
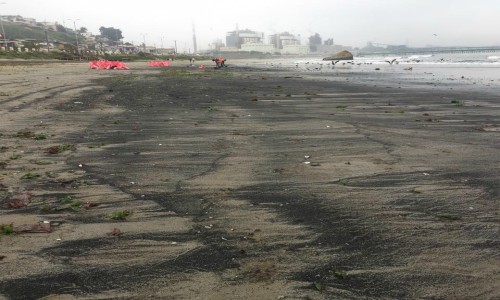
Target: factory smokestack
195	48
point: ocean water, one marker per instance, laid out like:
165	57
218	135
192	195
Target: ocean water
464	69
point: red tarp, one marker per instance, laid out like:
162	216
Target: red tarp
107	65
159	63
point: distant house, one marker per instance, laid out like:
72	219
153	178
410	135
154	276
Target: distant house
30	22
11	19
52	26
20	20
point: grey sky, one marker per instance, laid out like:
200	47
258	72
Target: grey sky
348	22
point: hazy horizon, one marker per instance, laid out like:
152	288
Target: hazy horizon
349	22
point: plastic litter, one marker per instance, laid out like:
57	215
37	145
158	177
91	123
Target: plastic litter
115	232
17	200
107	65
41	227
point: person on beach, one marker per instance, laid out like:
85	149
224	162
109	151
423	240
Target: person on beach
219	62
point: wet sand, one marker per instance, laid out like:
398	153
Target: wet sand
248	183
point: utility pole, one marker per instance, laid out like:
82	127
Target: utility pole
3	32
47	40
175	42
144	41
76	35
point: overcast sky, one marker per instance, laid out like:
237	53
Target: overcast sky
349	22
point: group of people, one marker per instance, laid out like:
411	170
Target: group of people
219	62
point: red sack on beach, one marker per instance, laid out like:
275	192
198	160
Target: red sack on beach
159	63
202	67
107	65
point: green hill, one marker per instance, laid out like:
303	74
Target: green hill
20	31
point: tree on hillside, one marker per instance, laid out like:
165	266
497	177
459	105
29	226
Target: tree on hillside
83	29
60	28
329	42
111	33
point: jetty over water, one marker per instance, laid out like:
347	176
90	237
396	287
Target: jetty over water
433	50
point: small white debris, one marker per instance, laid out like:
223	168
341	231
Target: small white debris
132	182
307	162
174	243
307	156
46	222
327	126
78	102
426	174
80	165
223	238
160	144
471	208
58	239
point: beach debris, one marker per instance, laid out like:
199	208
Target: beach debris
121	215
408	69
107	65
157	63
202	67
115	232
307	156
307	162
17	200
40	227
2	257
6	229
377	69
60	148
89	205
315	164
66	203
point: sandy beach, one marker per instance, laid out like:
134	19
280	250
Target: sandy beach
255	181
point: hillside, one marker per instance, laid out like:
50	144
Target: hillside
20	31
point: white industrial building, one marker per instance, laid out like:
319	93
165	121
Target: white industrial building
257	47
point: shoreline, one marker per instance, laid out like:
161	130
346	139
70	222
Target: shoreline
250	182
